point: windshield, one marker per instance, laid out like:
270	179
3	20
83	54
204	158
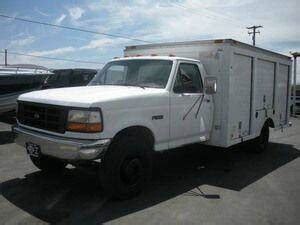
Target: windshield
144	73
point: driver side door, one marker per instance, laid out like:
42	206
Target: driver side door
186	111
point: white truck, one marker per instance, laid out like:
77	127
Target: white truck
157	97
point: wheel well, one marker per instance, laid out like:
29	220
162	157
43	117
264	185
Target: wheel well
139	131
270	122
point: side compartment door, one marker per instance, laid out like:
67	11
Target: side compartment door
188	123
240	94
264	85
283	93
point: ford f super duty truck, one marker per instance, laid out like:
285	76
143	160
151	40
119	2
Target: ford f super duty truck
157	97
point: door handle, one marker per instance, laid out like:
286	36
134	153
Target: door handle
190	94
185	94
207	100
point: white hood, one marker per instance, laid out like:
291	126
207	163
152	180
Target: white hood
87	95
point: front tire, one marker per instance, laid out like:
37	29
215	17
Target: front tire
48	164
126	167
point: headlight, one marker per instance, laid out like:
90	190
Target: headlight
85	121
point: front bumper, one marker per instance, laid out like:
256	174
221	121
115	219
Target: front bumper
62	148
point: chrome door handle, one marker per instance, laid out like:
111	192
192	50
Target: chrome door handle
191	94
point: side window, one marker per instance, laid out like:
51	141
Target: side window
188	79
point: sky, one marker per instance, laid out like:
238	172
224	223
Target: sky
150	20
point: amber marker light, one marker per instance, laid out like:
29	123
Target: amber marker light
84	121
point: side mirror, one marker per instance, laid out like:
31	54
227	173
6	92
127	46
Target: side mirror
210	85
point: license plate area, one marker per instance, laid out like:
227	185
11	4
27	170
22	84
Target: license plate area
33	150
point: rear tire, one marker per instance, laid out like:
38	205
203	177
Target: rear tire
126	167
262	141
48	164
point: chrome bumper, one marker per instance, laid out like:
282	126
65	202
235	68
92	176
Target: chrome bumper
62	148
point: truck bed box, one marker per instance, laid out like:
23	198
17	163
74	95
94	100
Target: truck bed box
252	85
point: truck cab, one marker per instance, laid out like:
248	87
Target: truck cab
149	103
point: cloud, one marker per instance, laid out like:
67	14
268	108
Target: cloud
99	44
51	64
103	43
174	20
36	9
17	43
76	13
57	51
218	3
59	20
191	19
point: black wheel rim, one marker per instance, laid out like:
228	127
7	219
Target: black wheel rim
131	171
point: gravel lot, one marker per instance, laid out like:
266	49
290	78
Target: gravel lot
190	186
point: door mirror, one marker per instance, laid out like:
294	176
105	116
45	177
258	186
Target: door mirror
210	84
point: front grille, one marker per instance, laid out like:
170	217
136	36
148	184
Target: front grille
42	116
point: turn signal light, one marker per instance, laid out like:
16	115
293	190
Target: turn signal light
84	127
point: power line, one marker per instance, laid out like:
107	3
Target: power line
75	29
52	58
212	15
254	32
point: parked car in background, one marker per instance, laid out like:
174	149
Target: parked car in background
19	79
69	78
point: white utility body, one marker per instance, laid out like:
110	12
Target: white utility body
157	97
252	85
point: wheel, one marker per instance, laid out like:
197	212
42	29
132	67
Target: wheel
262	141
126	167
48	164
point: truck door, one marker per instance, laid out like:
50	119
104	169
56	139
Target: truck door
188	119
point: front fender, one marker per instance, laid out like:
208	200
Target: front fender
158	127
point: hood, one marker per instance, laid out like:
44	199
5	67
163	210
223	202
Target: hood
87	95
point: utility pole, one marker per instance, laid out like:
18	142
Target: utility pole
5	57
295	55
254	32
